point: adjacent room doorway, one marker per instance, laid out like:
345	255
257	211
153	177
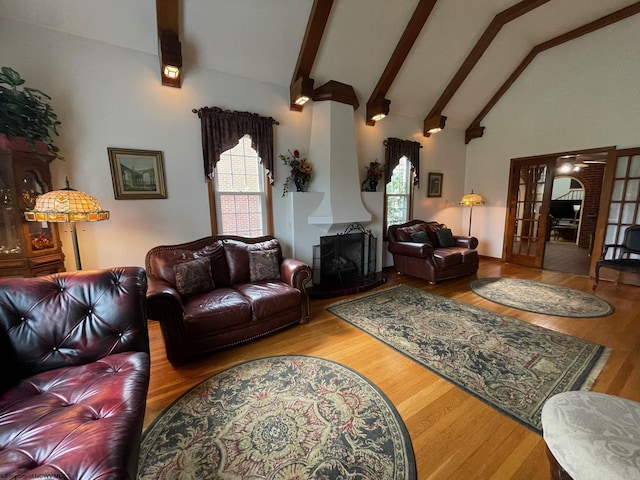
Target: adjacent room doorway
545	231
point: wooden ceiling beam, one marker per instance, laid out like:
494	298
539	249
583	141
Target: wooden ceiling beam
502	18
169	46
476	131
377	102
301	83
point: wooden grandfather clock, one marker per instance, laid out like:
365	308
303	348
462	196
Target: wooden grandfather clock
27	249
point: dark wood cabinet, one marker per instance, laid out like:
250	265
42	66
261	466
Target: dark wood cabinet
27	249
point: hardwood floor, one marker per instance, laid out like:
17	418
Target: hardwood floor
454	435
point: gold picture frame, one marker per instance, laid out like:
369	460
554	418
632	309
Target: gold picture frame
434	185
137	174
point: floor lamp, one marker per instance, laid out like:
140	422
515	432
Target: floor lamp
471	199
67	205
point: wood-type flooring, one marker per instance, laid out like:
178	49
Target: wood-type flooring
454	435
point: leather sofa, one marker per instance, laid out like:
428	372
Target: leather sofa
425	255
242	289
75	358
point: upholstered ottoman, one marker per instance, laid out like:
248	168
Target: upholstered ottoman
592	436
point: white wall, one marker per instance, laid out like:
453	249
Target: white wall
109	96
580	95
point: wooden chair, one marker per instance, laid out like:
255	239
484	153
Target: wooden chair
621	261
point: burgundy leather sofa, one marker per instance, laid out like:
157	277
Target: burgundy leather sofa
75	372
428	258
252	291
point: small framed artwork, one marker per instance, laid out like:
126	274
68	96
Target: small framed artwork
434	185
137	174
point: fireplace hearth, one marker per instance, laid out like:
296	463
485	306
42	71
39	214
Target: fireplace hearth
345	263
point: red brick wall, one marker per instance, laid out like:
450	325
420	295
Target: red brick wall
591	177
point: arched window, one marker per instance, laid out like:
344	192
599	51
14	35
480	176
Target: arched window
398	194
240	198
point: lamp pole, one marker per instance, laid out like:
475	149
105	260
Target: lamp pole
76	250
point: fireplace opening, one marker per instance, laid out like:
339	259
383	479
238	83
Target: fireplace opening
345	263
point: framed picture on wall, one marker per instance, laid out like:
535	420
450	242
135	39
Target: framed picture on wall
137	174
434	185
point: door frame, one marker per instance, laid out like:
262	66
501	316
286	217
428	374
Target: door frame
601	222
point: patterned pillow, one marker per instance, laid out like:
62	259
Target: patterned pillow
193	277
445	237
264	265
420	237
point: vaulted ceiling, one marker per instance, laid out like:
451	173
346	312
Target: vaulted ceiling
425	58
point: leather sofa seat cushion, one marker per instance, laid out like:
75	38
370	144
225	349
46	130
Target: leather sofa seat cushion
73	416
446	257
469	256
211	312
270	298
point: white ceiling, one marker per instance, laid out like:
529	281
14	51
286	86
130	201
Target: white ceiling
260	39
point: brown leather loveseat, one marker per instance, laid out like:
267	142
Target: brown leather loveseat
429	250
75	373
221	290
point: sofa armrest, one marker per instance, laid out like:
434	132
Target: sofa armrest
411	249
466	242
295	273
163	300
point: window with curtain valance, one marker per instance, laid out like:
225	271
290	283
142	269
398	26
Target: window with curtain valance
223	129
395	149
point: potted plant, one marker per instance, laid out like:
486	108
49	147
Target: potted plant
375	173
300	173
26	113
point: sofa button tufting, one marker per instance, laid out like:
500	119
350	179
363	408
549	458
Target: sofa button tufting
55	349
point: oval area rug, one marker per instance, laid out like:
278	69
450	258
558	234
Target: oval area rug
540	297
282	417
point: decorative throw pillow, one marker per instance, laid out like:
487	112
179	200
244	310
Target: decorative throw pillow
445	237
420	237
193	277
264	265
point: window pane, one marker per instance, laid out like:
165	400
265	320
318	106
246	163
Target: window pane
240	191
618	186
631	195
621	167
634	168
398	194
628	213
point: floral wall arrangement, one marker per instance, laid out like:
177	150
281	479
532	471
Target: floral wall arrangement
375	173
300	174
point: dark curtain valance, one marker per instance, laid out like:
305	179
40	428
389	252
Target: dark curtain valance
395	150
223	129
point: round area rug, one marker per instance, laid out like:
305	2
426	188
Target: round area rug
541	297
283	417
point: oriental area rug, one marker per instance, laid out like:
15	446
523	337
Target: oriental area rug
282	417
540	297
513	366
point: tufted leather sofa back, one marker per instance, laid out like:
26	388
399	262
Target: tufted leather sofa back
71	318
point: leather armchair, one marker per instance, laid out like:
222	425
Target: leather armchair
428	259
75	354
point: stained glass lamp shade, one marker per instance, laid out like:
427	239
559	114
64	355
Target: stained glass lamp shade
67	205
471	200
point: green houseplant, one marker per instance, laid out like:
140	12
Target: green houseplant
26	112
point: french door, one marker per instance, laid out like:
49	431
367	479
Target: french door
530	185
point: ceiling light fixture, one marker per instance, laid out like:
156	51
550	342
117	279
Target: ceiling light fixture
300	92
170	52
434	124
377	109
